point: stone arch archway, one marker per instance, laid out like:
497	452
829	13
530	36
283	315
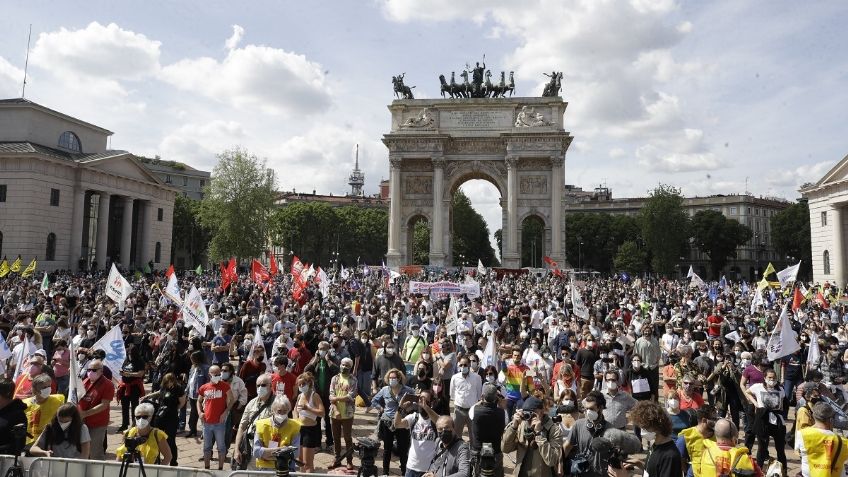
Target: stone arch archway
409	234
462	139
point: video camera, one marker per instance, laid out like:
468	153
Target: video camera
617	445
285	456
367	448
132	443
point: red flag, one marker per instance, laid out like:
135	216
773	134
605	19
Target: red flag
258	273
170	271
554	266
821	300
274	268
797	299
297	270
229	274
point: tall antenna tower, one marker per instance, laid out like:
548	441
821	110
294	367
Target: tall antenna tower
356	178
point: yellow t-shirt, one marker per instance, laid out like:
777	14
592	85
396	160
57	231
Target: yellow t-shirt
150	449
281	436
39	415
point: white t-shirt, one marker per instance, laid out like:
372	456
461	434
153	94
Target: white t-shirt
423	442
772	400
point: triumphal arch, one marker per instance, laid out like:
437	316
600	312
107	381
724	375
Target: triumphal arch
435	145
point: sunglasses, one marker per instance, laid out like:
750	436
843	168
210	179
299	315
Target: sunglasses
142	417
261	385
94	369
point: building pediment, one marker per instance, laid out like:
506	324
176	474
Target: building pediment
124	165
837	173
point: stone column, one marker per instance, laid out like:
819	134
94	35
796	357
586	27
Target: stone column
102	230
437	244
837	255
76	229
146	246
511	258
393	255
557	178
126	233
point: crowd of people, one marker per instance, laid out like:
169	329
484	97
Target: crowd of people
575	377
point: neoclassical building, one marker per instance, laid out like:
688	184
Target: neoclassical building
69	201
828	199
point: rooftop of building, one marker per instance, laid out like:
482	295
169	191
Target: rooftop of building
159	164
293	196
23	102
603	194
26	147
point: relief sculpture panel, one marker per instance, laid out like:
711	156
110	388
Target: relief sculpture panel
418	185
533	185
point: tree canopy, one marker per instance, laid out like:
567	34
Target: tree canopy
790	234
189	233
470	234
718	237
601	235
665	228
238	204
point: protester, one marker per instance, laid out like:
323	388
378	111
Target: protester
421	423
214	402
94	406
536	440
690	441
819	447
767	399
723	457
12	415
387	401
452	460
342	399
663	457
258	408
171	397
275	433
308	411
156	446
65	437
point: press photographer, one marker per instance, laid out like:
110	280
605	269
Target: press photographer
598	444
536	439
488	422
11	415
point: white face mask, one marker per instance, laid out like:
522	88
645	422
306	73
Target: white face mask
592	415
490	379
611	386
673	404
393	382
65	425
45	393
303	389
142	423
263	392
280	419
216	379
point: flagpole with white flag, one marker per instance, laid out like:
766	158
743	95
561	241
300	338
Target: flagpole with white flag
76	390
788	274
112	343
814	353
783	340
45	284
480	268
691	272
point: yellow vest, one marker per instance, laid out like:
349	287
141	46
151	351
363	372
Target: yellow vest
820	447
39	415
267	433
715	462
694	447
150	449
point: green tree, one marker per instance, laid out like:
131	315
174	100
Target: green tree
601	235
532	242
238	205
665	228
309	229
189	233
499	240
790	234
421	243
630	258
718	237
470	234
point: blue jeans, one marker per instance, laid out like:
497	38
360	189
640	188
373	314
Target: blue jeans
214	433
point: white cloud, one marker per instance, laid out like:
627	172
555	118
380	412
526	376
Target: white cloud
97	51
785	178
198	144
11	79
685	152
233	41
272	80
617	153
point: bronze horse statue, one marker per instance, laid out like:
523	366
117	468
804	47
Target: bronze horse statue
401	90
554	85
453	89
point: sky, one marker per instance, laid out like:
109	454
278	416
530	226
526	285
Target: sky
715	97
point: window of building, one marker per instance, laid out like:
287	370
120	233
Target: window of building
824	219
50	255
202	183
733	211
168	179
826	262
159	214
158	256
756	211
749	211
2	192
70	141
185	180
54	197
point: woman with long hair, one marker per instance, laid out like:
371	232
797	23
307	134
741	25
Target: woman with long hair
172	398
308	409
65	436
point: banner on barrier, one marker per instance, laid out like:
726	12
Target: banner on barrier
444	288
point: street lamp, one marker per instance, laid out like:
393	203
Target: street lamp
579	252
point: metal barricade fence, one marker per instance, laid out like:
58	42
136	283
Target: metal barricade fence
57	467
265	473
6	462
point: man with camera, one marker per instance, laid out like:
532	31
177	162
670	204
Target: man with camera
452	458
421	422
488	421
13	422
536	439
589	462
818	446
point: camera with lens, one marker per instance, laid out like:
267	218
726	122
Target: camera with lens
487	460
526	415
367	448
132	443
285	456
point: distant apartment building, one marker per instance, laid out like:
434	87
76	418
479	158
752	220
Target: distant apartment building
188	180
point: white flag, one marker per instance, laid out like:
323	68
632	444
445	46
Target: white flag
697	281
758	300
45	284
117	287
22	351
450	320
5	353
579	308
310	272
783	341
323	282
172	290
344	273
788	274
76	390
733	336
480	268
691	272
257	338
489	358
814	353
112	343
194	311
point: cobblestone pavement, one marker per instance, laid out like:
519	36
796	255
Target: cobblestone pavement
365	424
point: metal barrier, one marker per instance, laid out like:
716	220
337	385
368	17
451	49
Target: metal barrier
51	467
263	473
6	462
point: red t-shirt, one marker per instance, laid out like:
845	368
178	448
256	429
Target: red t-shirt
214	401
695	403
286	383
714	325
301	357
249	371
95	392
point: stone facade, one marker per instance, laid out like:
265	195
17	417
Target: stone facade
66	205
827	200
435	145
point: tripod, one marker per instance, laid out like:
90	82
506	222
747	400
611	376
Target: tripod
127	460
15	470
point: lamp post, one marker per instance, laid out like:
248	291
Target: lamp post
579	252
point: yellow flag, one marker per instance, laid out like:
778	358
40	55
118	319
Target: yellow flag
30	269
769	270
762	284
4	268
16	265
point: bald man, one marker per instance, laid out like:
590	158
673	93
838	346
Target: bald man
722	456
214	400
454	457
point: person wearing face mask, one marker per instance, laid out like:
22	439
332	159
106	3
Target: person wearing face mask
61	362
342	407
41	407
220	345
413	346
618	402
466	387
239	392
647	347
452	457
586	358
384	362
215	400
324	368
819	447
64	437
309	409
23	385
283	381
421	422
363	363
724	456
94	406
535	438
197	377
422	379
252	369
488	421
157	439
690	441
274	433
387	402
767	397
299	354
171	398
131	387
258	408
754	365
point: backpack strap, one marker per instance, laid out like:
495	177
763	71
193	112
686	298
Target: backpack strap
835	456
736	462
